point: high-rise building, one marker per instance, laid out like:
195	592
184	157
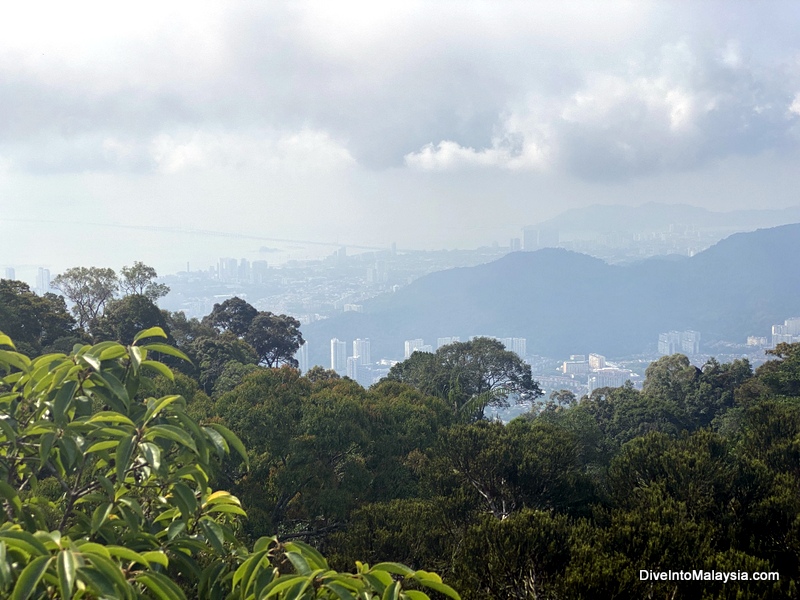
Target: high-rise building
608	377
534	238
352	367
690	342
43	281
227	270
339	356
361	351
259	271
412	346
668	343
446	341
792	326
597	361
243	272
302	357
686	342
10	273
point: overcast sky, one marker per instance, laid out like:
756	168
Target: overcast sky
429	124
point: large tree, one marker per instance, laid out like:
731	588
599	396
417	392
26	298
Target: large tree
140	280
35	322
234	315
89	289
469	375
275	338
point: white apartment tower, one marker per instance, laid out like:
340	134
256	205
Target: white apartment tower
339	356
361	351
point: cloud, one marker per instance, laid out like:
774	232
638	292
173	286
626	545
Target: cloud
679	110
596	91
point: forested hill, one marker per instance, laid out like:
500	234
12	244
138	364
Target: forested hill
564	302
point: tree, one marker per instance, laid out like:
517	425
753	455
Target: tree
139	280
89	289
469	375
275	338
35	322
125	317
234	315
105	493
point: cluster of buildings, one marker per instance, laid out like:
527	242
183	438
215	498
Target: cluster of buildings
42	279
788	333
597	371
684	342
359	365
516	345
229	270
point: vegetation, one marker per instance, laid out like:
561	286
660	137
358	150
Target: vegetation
107	492
125	476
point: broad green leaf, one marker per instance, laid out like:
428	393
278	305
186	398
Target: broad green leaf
14	359
156	405
168	350
311	554
62	401
156	556
148	333
115	385
393	567
159	368
128	554
392	592
162	588
227	509
245	572
100	515
23	540
30	577
11	495
110	417
92	361
441	588
214	534
66	565
122	457
170	432
299	563
231	438
6	341
416	595
185	500
97	581
100	446
152	454
114	352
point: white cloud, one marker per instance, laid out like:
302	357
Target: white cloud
306	150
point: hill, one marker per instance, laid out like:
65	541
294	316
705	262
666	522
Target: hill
564	302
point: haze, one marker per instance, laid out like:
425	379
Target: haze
430	125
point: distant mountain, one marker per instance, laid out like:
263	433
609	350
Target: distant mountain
566	303
653	216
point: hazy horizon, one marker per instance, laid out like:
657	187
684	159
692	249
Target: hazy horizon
426	125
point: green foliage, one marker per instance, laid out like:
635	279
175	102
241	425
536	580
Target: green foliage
34	322
89	289
105	493
125	317
139	280
468	375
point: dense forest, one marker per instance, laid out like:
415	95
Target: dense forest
119	420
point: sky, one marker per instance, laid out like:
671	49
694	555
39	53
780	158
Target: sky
126	128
